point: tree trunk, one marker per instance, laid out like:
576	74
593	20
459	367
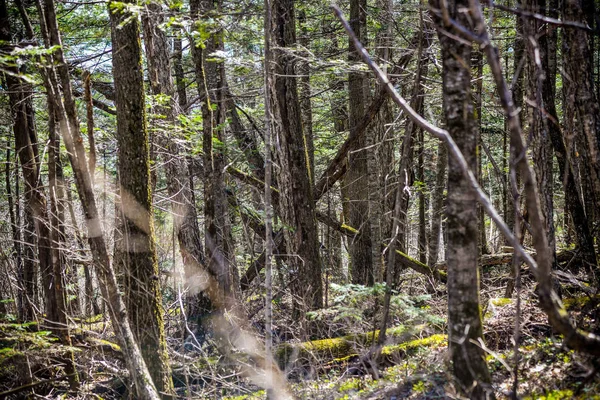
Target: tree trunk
464	311
356	178
537	62
478	70
437	205
517	94
137	255
296	196
405	170
65	111
582	111
210	80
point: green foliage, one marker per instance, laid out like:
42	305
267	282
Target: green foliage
355	303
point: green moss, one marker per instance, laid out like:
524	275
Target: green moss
8	352
412	346
104	343
552	395
252	396
94	319
340	348
579	301
350	229
500	302
350	384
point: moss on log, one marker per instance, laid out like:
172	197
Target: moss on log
341	348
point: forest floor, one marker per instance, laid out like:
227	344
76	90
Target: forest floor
337	362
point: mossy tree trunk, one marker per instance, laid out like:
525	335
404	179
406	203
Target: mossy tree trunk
464	313
136	252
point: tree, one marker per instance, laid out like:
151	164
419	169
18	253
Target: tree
135	253
296	197
464	312
355	180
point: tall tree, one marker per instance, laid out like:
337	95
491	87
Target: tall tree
582	111
179	180
210	78
464	313
356	178
296	197
137	253
537	63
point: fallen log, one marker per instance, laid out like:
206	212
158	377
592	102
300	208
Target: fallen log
488	260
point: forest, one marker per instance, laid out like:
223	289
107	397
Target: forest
365	199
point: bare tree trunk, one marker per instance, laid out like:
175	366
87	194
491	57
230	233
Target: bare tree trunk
478	70
464	312
90	302
517	94
582	111
25	293
437	200
356	178
405	170
537	49
296	197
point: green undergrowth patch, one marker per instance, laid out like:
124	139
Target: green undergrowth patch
418	374
500	301
22	336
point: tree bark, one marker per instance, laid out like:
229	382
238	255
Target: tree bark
356	178
582	111
437	200
136	254
464	312
296	198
